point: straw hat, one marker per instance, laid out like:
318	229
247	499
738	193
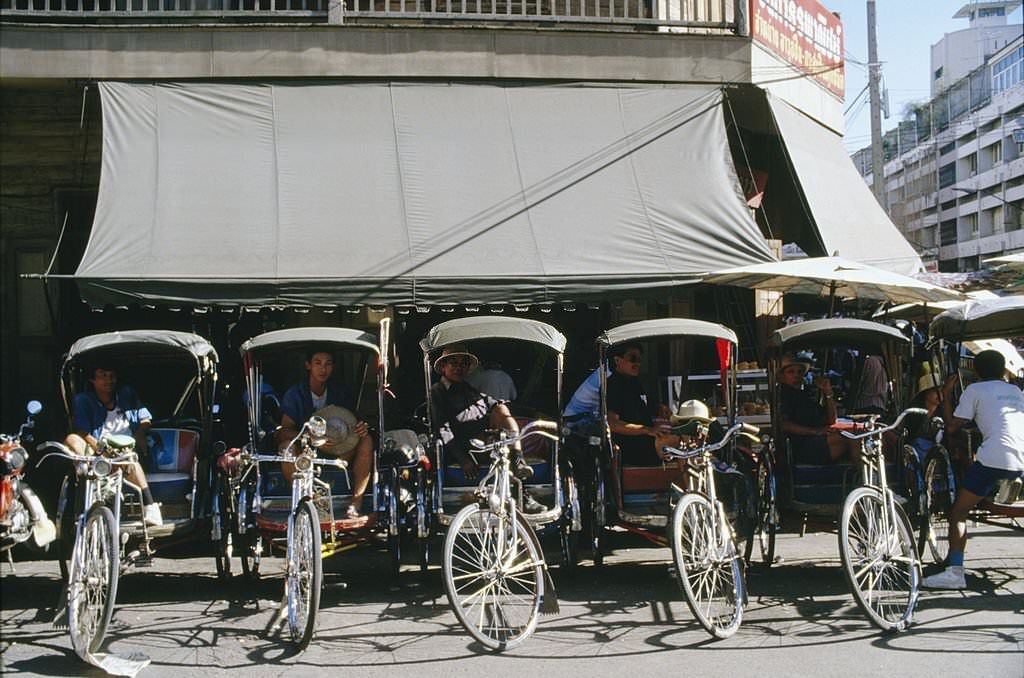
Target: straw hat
455	349
927	382
690	410
788	361
341	430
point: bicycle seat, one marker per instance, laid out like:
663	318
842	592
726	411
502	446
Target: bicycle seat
119	442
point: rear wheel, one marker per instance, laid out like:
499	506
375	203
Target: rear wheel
939	495
569	539
707	565
251	545
304	577
879	559
767	512
493	577
67	514
92	580
597	513
223	557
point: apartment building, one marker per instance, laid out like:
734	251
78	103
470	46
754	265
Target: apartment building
954	169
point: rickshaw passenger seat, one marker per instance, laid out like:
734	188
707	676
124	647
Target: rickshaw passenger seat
169	463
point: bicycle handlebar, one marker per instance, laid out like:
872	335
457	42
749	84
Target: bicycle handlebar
65	452
677	453
879	431
540	427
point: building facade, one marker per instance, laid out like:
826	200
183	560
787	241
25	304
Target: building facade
954	168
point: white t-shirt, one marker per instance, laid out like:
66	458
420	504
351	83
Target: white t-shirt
115	424
319	401
998	409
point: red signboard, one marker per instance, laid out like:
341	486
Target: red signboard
805	34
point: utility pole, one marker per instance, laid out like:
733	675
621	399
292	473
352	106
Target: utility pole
874	75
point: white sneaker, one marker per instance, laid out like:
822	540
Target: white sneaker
151	515
951	578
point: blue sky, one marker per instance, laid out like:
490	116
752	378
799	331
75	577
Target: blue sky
906	31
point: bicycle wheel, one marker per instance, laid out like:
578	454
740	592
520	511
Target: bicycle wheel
568	538
597	514
66	522
881	565
305	574
252	550
493	576
224	547
939	495
424	518
708	569
767	513
92	580
394	523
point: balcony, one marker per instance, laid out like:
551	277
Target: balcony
721	17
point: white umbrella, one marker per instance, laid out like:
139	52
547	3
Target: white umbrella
921	311
833	277
1014	262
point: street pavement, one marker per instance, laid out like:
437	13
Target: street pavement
624	620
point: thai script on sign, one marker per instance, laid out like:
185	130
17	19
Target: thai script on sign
804	34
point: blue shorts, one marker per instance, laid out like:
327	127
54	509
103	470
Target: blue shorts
981	479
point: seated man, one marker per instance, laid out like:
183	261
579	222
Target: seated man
304	399
998	409
460	413
630	415
808	412
109	410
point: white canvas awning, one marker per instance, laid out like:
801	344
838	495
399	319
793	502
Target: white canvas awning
396	193
848	219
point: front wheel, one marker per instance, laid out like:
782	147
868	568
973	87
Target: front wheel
569	543
707	565
92	580
879	559
493	577
304	576
939	495
767	513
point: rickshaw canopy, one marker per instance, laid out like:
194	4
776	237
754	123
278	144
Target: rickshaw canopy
841	331
980	319
278	339
462	330
666	327
144	340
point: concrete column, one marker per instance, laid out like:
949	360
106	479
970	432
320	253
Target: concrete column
336	12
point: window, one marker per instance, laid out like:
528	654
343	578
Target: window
947	232
989	11
970	223
995	153
948	148
947	175
972	164
1008	71
938	73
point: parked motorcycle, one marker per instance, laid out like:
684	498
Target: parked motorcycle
22	517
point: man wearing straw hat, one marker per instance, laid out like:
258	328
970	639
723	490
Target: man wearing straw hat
460	413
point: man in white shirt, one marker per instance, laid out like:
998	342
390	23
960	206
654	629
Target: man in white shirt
997	407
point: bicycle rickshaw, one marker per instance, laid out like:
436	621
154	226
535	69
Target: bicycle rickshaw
876	542
973	324
666	504
495	573
99	510
308	518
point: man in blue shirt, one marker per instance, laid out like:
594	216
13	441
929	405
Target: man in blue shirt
314	393
109	410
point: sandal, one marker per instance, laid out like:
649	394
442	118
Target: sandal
352	512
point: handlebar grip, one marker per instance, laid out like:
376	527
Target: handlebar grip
915	410
544	425
750	429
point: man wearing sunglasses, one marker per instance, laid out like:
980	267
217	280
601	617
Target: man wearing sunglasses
630	414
